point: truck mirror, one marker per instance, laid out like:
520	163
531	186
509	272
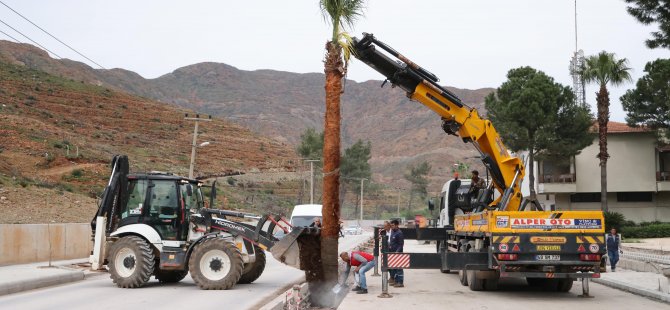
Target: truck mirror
431	204
189	190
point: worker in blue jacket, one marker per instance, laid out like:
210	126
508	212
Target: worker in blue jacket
396	243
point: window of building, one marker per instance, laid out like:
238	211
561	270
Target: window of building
634	196
585	197
664	161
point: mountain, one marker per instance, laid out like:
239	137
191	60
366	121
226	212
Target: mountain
281	105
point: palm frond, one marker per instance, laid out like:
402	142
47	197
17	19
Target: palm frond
341	13
604	68
345	42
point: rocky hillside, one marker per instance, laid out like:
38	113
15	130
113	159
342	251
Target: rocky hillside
58	134
280	105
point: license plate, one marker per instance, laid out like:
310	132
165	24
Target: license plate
548	247
547	257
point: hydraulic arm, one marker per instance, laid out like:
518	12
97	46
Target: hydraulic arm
457	118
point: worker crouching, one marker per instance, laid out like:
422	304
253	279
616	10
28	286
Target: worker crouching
362	262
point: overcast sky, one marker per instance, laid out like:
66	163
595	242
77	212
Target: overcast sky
468	44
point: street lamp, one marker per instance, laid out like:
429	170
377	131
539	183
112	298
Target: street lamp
197	120
311	182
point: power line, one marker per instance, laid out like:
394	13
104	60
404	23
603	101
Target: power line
31	40
13	38
40	28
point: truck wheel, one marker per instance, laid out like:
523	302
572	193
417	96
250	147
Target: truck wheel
253	270
440	247
474	282
544	284
492	283
565	285
462	275
216	264
170	276
131	262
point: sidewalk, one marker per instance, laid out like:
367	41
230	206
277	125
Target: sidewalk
431	289
19	278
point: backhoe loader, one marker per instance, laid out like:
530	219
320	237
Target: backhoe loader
159	224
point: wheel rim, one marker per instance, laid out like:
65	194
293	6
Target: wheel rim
125	262
215	265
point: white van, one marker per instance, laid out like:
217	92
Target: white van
303	215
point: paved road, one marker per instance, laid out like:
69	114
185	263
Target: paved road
430	289
98	292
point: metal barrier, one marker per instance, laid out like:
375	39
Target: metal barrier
646	257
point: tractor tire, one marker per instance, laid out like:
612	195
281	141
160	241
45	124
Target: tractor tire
131	262
170	276
474	282
216	264
253	270
565	285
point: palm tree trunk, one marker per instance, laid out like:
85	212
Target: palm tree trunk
603	118
334	70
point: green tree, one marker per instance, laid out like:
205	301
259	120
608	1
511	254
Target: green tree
649	103
650	12
355	166
604	69
419	183
338	13
535	114
311	144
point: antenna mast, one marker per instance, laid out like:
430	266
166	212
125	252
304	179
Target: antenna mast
576	64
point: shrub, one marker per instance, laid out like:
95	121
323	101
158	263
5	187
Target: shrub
660	230
77	173
231	181
614	220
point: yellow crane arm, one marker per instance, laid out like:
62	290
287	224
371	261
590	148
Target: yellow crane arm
507	171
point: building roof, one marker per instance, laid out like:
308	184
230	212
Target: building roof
617	127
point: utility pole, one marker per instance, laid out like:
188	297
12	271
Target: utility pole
311	182
197	119
397	213
361	221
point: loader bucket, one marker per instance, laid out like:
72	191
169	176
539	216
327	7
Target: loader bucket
287	250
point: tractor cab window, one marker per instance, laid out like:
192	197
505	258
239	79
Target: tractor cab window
137	191
164	208
191	195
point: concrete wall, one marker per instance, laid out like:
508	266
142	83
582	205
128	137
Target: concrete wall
630	168
27	243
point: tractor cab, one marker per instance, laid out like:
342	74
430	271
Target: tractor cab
162	201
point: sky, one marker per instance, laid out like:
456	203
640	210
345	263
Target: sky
468	44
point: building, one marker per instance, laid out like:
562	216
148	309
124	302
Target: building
638	177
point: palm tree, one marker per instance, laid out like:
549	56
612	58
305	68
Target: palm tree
602	69
338	13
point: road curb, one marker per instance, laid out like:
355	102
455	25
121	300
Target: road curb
634	289
278	302
40	282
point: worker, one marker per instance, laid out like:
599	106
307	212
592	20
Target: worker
476	184
396	244
362	262
316	222
613	250
387	231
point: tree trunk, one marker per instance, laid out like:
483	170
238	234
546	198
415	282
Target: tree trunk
603	118
531	177
334	70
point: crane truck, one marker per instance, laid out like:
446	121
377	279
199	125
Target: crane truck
157	224
497	234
